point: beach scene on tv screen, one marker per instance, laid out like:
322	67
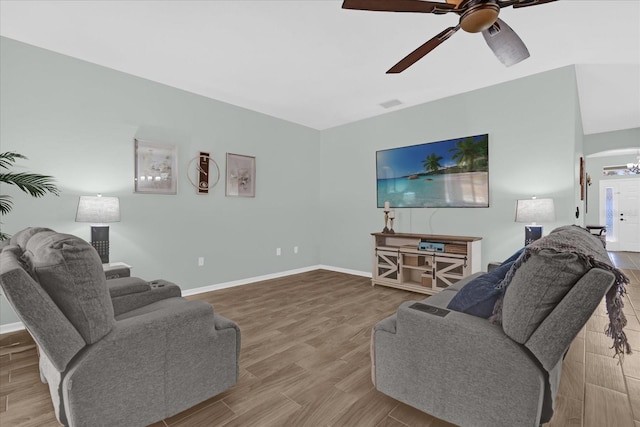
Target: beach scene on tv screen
451	173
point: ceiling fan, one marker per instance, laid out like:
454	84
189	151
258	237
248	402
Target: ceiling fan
475	16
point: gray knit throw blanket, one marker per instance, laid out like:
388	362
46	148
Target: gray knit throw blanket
561	242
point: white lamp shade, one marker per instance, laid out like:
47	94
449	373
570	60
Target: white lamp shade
535	210
98	210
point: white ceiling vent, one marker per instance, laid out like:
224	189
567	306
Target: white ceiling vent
391	103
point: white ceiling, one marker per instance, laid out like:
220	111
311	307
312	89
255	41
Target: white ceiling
313	63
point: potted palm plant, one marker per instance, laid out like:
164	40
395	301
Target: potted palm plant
33	184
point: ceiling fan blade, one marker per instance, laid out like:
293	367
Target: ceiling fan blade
505	43
398	6
525	3
417	54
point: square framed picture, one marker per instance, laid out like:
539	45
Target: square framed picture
241	176
156	168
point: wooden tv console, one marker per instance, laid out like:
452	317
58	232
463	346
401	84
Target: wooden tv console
398	263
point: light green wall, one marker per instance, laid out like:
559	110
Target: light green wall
316	190
531	124
598	142
77	121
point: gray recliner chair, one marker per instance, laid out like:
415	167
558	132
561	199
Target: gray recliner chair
469	371
122	352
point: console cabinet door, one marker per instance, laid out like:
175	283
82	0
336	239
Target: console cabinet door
449	270
387	266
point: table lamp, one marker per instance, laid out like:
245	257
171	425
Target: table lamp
534	210
99	211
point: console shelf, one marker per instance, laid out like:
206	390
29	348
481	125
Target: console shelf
398	263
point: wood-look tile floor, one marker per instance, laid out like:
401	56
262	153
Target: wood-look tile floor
305	362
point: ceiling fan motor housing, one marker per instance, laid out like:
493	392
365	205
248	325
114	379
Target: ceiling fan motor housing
479	16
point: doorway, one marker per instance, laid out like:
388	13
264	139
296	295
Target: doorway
620	212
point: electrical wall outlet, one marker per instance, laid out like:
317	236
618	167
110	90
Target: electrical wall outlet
200	261
295	249
278	251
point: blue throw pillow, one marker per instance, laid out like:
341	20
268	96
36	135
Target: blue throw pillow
479	296
514	257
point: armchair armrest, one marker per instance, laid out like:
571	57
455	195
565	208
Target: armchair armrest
448	365
116	270
126	285
164	360
130	293
493	265
129	365
456	327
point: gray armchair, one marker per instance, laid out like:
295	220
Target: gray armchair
469	371
120	352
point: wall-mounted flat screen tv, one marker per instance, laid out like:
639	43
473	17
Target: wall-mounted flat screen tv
443	174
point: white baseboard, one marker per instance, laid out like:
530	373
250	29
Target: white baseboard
12	327
346	270
209	288
249	280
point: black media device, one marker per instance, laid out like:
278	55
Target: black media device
532	233
100	241
429	309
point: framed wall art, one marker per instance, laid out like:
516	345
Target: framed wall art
156	168
582	179
241	176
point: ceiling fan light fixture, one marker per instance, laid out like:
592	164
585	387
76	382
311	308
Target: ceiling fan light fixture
476	16
505	43
479	17
494	29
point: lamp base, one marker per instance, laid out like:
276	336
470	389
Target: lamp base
100	241
532	233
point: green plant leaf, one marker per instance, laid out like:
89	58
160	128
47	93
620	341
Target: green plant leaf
34	184
6	204
8	158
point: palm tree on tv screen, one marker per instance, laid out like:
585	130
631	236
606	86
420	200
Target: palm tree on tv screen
432	163
467	151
